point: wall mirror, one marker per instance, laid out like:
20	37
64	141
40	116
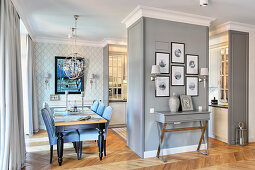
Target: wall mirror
62	82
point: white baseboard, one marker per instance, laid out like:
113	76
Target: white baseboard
220	138
169	151
251	139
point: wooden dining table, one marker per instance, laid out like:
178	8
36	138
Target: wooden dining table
67	121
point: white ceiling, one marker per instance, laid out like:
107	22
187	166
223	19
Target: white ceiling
101	19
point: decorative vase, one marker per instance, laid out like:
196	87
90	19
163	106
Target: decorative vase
174	103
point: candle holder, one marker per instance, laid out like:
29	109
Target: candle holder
82	100
66	93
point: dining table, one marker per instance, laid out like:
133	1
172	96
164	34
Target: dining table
70	120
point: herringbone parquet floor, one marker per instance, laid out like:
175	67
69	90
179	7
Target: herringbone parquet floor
120	157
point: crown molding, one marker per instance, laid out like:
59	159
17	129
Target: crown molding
230	25
237	26
102	43
114	41
144	11
67	41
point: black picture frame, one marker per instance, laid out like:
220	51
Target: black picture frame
172	76
186	82
156	63
172	52
167	84
56	77
194	55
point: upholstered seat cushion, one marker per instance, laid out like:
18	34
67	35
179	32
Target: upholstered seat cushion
68	136
88	134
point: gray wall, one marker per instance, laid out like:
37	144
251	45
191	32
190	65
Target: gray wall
135	89
196	39
146	37
238	81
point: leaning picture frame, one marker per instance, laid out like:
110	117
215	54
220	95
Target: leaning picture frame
186	103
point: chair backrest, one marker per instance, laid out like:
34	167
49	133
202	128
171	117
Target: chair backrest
100	109
49	125
47	107
94	106
108	113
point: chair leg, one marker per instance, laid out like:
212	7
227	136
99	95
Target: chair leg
74	146
51	153
77	149
80	149
104	147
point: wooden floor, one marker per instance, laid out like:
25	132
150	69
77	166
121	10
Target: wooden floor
120	132
120	157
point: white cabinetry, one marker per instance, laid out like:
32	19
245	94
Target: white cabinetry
119	113
220	123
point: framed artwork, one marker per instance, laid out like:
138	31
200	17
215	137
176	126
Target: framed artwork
192	86
62	82
186	103
163	60
54	97
178	52
162	86
192	64
177	75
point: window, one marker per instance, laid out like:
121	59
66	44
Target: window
224	76
117	76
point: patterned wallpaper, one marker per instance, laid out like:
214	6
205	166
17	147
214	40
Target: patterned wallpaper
44	62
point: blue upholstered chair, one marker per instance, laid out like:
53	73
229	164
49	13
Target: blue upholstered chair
68	136
94	106
50	110
100	109
92	134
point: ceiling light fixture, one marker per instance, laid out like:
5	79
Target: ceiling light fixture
74	66
203	2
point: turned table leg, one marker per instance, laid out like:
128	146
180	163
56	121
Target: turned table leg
60	148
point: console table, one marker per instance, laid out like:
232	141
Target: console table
163	118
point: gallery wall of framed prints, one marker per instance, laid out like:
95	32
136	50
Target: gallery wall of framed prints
184	71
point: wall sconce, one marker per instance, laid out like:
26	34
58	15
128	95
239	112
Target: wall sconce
203	75
155	70
46	76
91	79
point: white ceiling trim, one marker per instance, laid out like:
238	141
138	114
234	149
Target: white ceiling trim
81	42
236	26
115	41
144	11
67	41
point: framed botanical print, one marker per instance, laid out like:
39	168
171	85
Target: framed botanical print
192	86
162	86
178	52
163	60
192	64
177	75
186	103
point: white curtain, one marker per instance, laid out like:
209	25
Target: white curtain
31	89
12	141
